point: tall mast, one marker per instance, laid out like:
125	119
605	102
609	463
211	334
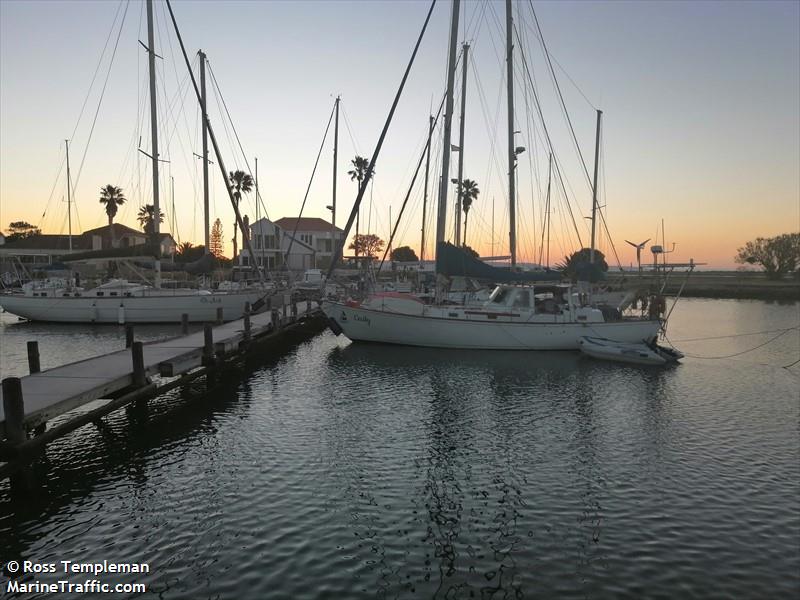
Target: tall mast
512	157
464	57
594	186
69	198
549	176
335	166
206	215
444	182
425	191
154	141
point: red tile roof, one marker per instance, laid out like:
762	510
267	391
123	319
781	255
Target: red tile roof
304	224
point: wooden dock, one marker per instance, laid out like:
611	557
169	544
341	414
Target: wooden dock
28	403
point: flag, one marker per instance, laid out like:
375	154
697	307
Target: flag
454	148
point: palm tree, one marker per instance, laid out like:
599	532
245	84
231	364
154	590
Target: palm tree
241	182
358	172
469	192
146	217
112	197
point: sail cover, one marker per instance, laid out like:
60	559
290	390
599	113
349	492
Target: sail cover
455	262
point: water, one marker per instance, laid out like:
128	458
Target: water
348	471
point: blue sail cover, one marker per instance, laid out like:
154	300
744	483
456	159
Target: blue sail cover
452	261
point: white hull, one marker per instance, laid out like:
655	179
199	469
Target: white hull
157	308
479	332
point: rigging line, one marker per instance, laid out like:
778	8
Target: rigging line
379	145
560	95
769	341
735	335
349	131
308	189
413	180
549	141
99	104
52	190
259	198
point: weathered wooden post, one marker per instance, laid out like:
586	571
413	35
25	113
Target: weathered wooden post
185	324
139	375
33	357
128	336
247	321
14	408
208	345
294	310
276	320
219	316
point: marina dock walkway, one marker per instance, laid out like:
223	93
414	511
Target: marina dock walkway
53	392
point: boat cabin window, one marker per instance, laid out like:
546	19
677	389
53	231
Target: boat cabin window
112	294
499	295
101	293
522	299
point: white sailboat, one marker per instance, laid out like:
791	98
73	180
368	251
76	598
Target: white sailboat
120	301
516	317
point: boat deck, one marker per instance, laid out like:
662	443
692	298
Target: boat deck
56	391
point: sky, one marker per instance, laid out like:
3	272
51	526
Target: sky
700	129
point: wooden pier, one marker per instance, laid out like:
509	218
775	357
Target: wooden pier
30	402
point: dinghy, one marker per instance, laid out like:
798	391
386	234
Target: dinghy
639	354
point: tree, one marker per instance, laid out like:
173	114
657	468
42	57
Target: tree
577	266
215	244
187	252
146	217
358	172
469	192
241	183
778	255
470	251
112	197
366	244
404	254
18	230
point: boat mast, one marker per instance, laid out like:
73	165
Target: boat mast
69	198
154	140
425	191
335	167
206	215
444	182
594	186
512	157
464	57
549	176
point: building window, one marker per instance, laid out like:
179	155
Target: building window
269	242
258	241
307	238
245	260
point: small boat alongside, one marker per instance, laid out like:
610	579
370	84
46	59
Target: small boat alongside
627	352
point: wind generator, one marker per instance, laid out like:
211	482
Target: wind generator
639	248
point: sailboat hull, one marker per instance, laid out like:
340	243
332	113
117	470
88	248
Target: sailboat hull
157	308
367	325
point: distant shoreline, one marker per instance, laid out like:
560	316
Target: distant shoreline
732	284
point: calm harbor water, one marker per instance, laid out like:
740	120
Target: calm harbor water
338	470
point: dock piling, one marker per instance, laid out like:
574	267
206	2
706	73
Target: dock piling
139	374
208	345
219	316
33	357
128	336
185	324
294	310
247	326
14	408
276	320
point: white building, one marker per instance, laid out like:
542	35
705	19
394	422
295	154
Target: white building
271	244
316	233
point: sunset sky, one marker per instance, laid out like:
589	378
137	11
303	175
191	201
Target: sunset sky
700	101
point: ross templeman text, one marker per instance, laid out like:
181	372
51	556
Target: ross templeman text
95	568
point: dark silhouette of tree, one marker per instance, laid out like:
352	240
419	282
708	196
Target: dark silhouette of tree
778	255
18	230
113	198
215	244
366	244
241	183
404	254
146	216
469	192
470	251
577	266
358	172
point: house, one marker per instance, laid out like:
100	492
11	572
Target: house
315	232
125	237
271	243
